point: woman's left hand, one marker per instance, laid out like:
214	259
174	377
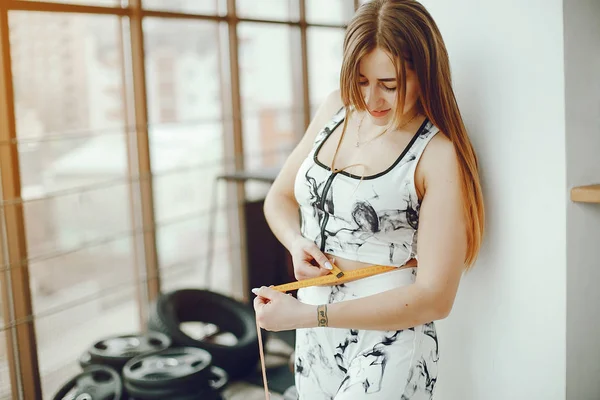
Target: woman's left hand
276	311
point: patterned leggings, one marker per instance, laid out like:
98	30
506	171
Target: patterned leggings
350	364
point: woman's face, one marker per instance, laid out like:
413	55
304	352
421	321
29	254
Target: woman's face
379	87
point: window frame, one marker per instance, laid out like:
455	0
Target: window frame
18	317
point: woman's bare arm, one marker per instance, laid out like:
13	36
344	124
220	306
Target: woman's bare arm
281	208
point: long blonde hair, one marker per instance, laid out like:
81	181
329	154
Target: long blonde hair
407	32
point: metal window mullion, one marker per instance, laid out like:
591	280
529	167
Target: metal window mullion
16	292
304	63
143	151
137	245
7	312
233	144
63	7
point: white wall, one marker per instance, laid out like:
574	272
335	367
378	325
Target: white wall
505	338
582	71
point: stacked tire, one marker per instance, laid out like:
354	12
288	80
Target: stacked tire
115	351
165	362
193	305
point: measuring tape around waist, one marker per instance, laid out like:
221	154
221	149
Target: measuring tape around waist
337	276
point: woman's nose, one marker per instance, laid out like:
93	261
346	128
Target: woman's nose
373	98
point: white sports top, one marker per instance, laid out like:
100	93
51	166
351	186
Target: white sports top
372	221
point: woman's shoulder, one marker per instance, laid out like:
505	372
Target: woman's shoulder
331	105
440	148
438	161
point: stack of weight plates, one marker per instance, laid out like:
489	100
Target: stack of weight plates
166	362
184	373
231	317
175	374
115	351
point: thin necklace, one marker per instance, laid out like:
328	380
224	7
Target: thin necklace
358	142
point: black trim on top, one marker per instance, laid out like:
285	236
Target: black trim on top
328	130
325	213
377	175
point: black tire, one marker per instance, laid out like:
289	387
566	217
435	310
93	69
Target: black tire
101	373
188	305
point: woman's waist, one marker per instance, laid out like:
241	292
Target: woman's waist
360	286
346	264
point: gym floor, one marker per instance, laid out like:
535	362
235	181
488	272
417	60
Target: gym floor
278	350
247	391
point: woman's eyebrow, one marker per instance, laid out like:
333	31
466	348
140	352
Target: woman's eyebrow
382	79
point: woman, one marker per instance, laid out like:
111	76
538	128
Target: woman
385	164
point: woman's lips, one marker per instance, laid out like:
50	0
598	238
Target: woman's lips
379	114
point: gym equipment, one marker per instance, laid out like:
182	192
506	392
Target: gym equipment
115	351
179	393
85	360
176	373
170	367
196	390
97	382
229	315
218	378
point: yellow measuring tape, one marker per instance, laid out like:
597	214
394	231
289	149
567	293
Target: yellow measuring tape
336	276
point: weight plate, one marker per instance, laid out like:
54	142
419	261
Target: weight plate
217	378
189	390
168	368
97	382
85	360
117	350
174	308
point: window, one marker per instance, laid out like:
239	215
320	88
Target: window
329	12
187	6
268	105
104	3
268	9
324	63
75	187
187	147
5	387
75	99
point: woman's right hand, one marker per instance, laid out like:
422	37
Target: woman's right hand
308	260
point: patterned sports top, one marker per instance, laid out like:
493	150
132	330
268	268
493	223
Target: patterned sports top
373	220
